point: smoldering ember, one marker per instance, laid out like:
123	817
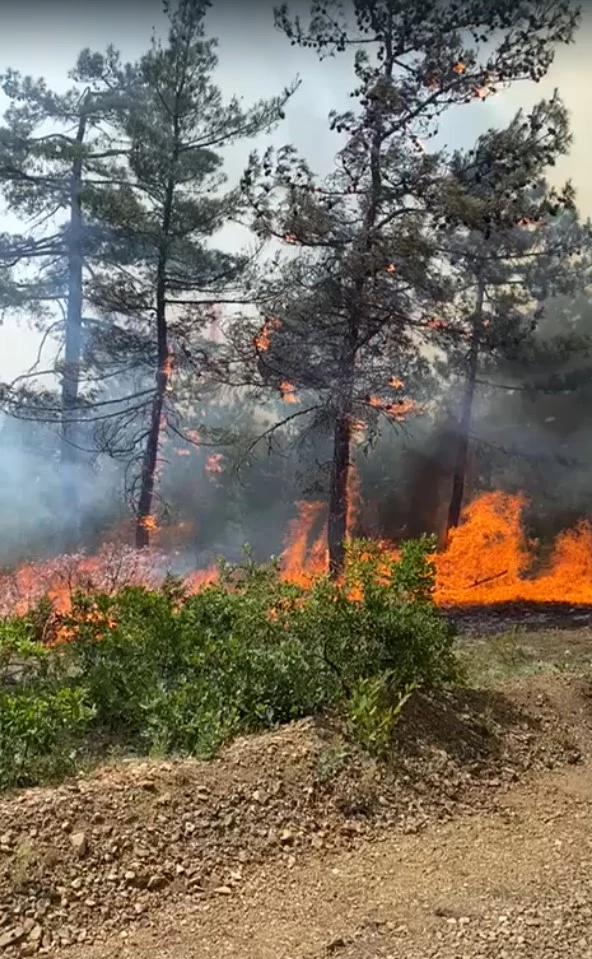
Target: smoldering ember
295	479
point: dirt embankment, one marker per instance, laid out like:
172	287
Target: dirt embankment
105	858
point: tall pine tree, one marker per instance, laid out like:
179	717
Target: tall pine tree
368	276
169	207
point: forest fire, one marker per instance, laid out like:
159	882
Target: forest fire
488	560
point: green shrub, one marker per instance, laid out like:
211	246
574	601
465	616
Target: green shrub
159	671
41	735
372	711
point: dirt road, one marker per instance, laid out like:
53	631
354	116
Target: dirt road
514	882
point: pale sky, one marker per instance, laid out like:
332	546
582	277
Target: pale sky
44	38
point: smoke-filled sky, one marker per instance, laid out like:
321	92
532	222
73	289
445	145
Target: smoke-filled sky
44	38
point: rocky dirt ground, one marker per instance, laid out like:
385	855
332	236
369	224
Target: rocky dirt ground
476	842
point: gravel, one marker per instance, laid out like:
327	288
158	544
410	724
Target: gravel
101	858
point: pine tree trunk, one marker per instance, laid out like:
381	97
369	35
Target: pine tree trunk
466	415
147	476
339	493
70	381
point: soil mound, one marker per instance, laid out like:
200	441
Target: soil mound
95	856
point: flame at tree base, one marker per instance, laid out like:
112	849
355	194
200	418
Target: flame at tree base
488	560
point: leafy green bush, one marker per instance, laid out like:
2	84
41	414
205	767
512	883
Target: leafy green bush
372	711
160	671
42	718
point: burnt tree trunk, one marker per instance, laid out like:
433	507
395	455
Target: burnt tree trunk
148	474
163	371
70	379
339	483
466	415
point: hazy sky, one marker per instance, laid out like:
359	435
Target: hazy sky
43	39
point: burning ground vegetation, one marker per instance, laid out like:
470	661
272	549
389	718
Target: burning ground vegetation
489	561
111	652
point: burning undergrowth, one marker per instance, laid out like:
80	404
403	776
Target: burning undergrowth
112	651
489	560
181	670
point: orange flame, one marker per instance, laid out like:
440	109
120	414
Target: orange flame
148	522
288	392
488	559
397	410
297	564
263	338
401	409
167	366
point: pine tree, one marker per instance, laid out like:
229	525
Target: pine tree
367	276
54	153
520	243
169	208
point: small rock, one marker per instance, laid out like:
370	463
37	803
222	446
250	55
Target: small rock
29	949
36	933
79	844
13	935
223	890
156	882
336	944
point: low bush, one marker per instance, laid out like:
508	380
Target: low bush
43	717
160	671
